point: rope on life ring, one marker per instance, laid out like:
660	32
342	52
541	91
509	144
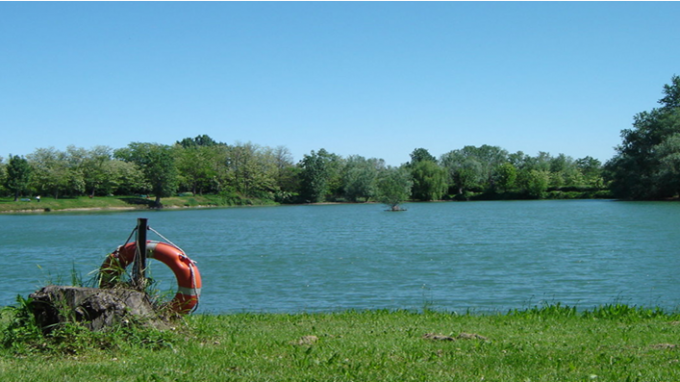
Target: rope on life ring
185	270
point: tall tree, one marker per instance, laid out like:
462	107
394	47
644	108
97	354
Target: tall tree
464	171
536	183
18	175
96	169
76	158
196	165
506	176
671	99
287	179
125	178
3	175
591	170
421	154
643	165
252	170
429	180
158	165
159	168
359	177
317	171
50	171
473	168
201	140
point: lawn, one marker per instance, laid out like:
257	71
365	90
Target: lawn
553	343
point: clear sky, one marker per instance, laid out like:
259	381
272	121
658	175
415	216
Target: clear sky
376	79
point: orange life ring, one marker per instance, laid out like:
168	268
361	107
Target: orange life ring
185	270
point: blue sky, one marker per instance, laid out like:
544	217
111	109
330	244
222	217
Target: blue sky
375	79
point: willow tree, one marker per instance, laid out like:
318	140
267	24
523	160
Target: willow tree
429	181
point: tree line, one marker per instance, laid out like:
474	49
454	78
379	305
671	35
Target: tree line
245	172
646	166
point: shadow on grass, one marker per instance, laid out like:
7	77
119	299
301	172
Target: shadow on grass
137	201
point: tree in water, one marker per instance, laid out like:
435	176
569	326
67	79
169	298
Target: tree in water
394	187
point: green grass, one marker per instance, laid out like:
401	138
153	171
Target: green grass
111	202
552	343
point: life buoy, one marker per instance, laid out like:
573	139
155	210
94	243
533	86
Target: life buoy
185	270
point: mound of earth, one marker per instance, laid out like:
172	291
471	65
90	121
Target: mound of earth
96	309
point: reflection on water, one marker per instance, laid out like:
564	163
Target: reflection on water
480	256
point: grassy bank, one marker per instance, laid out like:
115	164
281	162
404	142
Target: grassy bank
47	204
613	343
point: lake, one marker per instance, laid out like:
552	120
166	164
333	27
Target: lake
450	256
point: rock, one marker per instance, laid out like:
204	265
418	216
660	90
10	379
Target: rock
437	337
307	340
95	308
471	336
665	346
461	336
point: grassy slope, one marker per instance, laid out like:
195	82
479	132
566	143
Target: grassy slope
541	345
9	205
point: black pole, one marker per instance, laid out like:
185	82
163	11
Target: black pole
139	268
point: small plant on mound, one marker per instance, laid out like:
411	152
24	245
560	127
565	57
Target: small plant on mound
19	327
21	334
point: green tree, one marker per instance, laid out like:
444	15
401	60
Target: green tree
18	175
287	174
157	162
591	171
3	175
50	171
125	178
537	183
316	175
252	170
76	158
429	180
421	154
196	165
359	177
97	171
668	153
394	186
201	140
506	176
643	165
473	168
671	99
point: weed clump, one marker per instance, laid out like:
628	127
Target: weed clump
23	333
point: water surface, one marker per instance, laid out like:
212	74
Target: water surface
479	256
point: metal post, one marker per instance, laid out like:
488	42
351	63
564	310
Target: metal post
139	267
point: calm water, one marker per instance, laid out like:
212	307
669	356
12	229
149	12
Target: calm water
482	256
